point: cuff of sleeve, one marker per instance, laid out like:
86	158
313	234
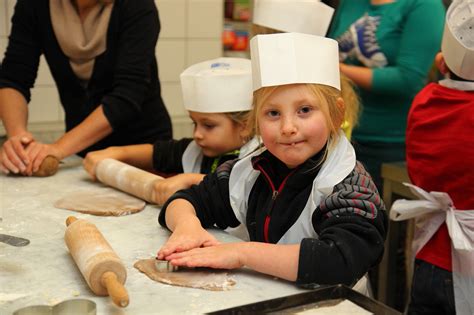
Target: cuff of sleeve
177	195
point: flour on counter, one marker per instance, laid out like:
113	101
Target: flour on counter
7	297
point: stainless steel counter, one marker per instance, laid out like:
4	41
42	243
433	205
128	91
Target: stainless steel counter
44	273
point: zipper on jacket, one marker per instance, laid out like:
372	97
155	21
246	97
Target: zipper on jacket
275	193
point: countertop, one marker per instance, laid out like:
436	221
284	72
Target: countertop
44	273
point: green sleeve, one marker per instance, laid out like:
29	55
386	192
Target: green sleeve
421	40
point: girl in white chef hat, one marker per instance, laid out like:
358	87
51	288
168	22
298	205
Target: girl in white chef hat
218	96
312	212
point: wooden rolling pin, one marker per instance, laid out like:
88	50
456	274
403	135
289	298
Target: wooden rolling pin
101	267
127	178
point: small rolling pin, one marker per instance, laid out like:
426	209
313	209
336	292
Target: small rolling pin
101	267
127	178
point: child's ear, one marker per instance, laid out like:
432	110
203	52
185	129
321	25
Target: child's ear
244	132
441	64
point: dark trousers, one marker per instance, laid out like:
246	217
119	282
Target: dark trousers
432	290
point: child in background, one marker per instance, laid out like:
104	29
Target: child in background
314	17
312	212
218	96
440	151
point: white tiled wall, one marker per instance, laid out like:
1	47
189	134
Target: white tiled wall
190	32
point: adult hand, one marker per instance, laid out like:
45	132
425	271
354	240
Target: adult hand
93	158
163	189
13	156
186	237
222	256
38	151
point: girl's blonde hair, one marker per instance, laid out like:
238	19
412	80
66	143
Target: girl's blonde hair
242	118
327	96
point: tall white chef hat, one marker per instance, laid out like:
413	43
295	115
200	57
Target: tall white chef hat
458	38
221	85
300	16
288	58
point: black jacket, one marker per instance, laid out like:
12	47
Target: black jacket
124	79
351	222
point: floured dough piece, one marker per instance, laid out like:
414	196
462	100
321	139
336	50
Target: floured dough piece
101	201
48	167
208	280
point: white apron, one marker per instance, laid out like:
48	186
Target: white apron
192	156
338	165
430	211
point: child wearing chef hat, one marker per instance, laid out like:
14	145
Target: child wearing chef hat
218	96
440	151
312	212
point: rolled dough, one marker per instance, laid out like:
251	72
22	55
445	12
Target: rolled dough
208	279
101	201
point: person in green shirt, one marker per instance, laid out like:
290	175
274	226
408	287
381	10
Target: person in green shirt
386	47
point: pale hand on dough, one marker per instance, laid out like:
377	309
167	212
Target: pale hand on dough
101	201
208	279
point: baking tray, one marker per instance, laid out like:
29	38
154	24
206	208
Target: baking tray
324	293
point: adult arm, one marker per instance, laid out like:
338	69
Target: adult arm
416	53
14	114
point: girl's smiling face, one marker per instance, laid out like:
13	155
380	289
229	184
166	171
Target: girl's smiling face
292	125
216	133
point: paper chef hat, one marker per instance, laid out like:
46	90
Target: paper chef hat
288	58
458	39
221	85
300	16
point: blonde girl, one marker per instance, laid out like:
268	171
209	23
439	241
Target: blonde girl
312	212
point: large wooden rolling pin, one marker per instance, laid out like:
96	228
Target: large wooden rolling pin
127	178
101	267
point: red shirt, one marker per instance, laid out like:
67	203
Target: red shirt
440	155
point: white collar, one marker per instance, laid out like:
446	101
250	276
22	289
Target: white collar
457	85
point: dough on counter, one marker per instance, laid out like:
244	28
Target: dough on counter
208	279
101	201
48	167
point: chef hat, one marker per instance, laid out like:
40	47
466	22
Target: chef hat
458	39
221	85
301	16
288	58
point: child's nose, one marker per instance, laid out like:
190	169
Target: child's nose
197	134
288	126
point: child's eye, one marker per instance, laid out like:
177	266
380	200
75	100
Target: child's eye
305	109
272	113
209	126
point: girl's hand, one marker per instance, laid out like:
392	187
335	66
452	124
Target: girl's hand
163	189
93	158
186	237
37	152
223	256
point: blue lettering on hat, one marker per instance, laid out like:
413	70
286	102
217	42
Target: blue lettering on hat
220	65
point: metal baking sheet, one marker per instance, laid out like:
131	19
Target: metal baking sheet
324	293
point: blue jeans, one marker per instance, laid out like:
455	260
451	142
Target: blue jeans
432	290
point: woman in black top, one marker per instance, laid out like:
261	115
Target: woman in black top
101	54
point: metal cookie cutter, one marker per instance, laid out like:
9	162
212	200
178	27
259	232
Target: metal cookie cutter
77	306
164	266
